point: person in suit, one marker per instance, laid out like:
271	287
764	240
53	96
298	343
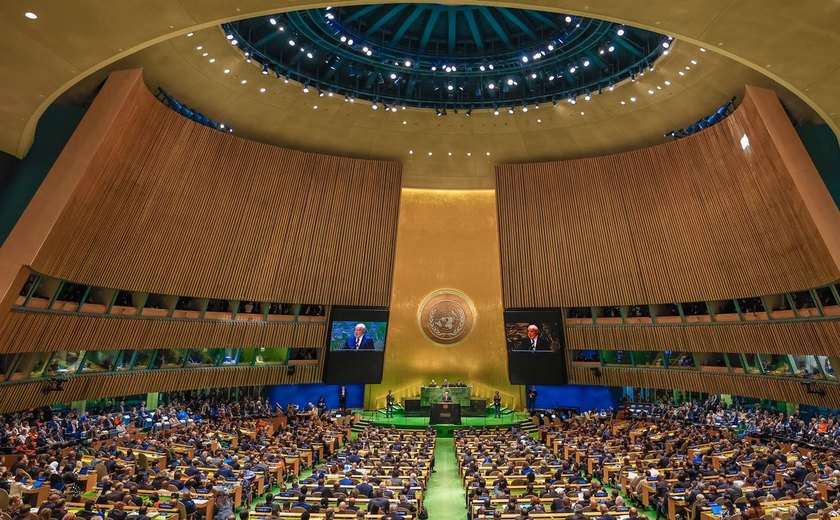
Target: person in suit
535	342
446	397
531	399
342	398
389	404
432	384
497	405
360	339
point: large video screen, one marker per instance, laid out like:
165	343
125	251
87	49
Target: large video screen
357	341
536	347
355	336
536	331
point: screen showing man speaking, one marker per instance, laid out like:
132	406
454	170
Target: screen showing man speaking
533	331
356	345
358	335
536	350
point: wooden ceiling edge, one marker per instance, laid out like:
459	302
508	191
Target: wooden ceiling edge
28	134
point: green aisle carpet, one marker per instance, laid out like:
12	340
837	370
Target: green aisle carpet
445	495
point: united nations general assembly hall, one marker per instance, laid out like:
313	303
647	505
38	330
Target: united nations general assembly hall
513	260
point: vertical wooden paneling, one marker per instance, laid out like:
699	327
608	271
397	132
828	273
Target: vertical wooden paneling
173	207
22	396
776	389
695	219
24	331
816	337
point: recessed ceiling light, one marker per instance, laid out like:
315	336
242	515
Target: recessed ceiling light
450	154
411	152
227	71
633	99
405	122
539	120
199	47
623	103
314	107
488	154
262	90
469	154
30	15
244	81
430	154
583	113
212	60
189	35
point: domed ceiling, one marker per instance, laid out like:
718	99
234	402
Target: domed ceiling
446	57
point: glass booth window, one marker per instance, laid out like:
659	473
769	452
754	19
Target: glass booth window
711	359
826	297
616	358
679	359
207	357
775	364
585	356
144	359
828	370
752	365
171	358
806	366
271	356
100	361
64	363
71	292
648	359
30	366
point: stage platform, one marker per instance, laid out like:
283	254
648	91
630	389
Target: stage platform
509	418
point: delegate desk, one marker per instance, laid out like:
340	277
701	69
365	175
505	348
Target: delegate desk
430	395
445	413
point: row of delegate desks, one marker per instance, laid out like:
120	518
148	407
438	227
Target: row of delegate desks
676	501
292	463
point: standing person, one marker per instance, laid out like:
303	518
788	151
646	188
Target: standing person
531	399
342	398
497	405
389	404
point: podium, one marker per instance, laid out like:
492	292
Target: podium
459	394
445	413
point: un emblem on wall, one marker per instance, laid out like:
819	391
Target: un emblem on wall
446	316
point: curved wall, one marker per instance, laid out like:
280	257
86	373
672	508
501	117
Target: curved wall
169	206
692	220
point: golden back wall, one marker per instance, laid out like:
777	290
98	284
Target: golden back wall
446	240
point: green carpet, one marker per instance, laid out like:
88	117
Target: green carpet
445	494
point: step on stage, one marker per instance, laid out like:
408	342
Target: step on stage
416	408
401	420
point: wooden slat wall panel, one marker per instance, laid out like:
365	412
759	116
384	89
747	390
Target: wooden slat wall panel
173	207
693	220
817	337
33	332
787	390
21	396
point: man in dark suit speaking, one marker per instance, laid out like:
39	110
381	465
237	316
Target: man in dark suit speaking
360	340
535	341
